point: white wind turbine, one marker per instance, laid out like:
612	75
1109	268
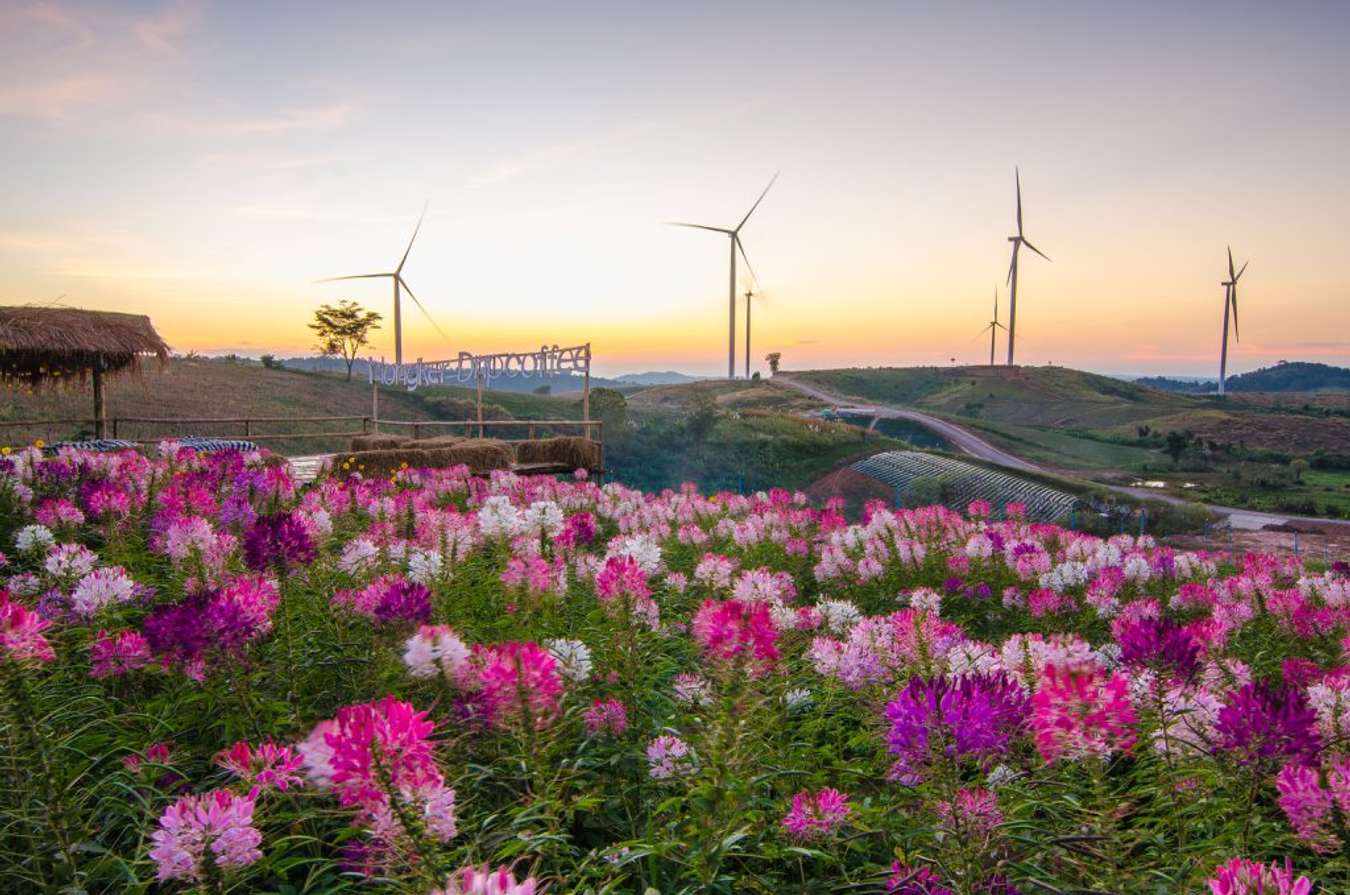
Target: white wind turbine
1229	301
749	294
400	285
993	327
1018	241
736	246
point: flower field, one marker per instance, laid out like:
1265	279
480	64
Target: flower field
216	680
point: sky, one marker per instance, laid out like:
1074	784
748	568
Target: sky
205	163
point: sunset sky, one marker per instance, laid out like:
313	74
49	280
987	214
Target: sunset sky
205	162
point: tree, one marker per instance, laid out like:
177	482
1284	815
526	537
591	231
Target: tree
342	330
1176	445
773	358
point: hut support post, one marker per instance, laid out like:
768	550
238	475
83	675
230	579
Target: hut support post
374	407
586	390
100	410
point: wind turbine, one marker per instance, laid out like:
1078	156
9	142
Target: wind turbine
993	327
400	285
1018	241
749	294
736	246
1229	300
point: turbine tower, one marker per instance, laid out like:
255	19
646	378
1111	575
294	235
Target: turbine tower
1229	301
994	326
1017	242
736	246
400	285
749	294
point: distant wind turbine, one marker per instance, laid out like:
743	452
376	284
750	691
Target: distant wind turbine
400	285
736	246
993	328
1018	241
1229	301
749	294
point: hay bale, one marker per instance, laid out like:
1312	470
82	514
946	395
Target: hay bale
440	441
571	451
377	442
482	454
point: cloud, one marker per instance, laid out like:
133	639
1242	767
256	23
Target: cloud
55	100
306	118
53	26
28	242
161	32
548	157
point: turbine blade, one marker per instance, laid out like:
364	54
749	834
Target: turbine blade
359	276
1036	250
1017	175
699	227
1012	263
420	218
1231	275
1233	298
404	283
757	201
1239	273
745	258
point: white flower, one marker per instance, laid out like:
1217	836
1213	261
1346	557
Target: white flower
840	615
358	555
100	588
32	538
926	600
798	699
573	656
424	566
434	648
645	551
692	690
542	517
498	518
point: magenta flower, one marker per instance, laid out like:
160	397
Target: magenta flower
473	881
1267	724
732	630
278	541
973	813
622	579
1242	877
1078	712
21	630
1160	643
216	826
906	880
519	682
117	654
267	765
669	756
606	716
373	746
937	718
816	815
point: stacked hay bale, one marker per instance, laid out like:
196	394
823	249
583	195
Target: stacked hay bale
570	451
481	455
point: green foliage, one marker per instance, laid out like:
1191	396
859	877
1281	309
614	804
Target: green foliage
342	329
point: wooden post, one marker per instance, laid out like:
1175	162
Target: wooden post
375	406
480	405
586	390
100	411
248	428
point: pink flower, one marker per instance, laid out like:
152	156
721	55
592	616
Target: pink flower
815	816
732	630
1079	714
389	732
268	764
974	812
216	826
21	637
117	654
519	681
668	756
606	716
472	881
1242	877
621	579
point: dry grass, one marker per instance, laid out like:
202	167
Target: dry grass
567	450
377	442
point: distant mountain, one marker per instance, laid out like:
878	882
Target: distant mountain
1173	384
656	377
1293	376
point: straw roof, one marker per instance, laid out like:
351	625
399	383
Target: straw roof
57	345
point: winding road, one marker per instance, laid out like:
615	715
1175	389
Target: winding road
970	443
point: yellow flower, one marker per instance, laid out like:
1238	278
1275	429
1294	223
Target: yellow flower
39	444
4	451
403	465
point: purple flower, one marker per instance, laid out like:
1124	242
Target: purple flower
405	600
1151	641
1267	724
277	540
973	716
953	584
906	880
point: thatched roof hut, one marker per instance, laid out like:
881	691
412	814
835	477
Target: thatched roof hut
59	346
